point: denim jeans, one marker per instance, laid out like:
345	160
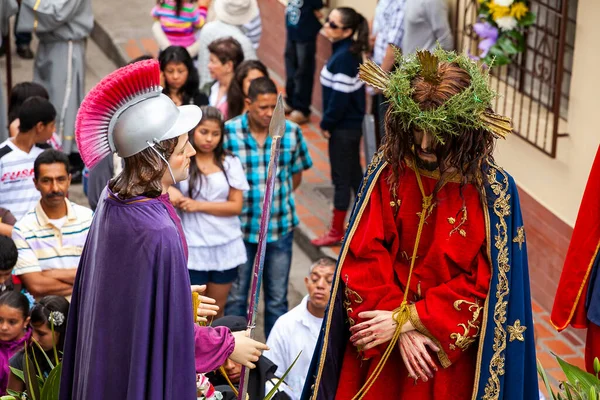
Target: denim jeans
278	260
346	172
300	65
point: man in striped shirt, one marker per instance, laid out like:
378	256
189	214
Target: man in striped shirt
50	238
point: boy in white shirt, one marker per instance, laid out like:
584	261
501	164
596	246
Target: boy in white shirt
17	155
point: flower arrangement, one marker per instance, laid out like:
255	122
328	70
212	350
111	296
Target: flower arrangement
500	28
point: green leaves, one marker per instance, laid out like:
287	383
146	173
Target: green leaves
544	377
528	19
273	391
580	385
36	386
576	375
51	387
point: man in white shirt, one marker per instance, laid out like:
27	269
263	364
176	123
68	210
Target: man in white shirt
298	330
50	238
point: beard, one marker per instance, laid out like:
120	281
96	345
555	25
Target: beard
426	165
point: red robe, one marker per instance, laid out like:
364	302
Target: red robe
569	303
448	289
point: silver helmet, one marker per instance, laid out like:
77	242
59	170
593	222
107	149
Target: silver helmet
149	120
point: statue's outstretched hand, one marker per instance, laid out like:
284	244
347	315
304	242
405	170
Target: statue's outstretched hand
246	350
414	353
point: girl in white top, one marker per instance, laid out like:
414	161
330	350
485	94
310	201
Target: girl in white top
209	203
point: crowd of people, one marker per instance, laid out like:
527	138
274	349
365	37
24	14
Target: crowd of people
218	197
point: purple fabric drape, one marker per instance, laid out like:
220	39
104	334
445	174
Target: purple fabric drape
129	333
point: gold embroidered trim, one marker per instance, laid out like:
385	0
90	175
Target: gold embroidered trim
516	331
370	169
463	340
416	321
395	204
520	238
486	305
350	296
459	228
502	210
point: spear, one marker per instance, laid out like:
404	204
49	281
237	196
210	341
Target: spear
276	131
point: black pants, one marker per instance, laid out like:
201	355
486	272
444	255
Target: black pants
346	172
300	67
21	38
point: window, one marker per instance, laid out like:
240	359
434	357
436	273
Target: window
534	88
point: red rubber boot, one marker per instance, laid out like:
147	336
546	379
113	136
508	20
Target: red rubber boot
336	231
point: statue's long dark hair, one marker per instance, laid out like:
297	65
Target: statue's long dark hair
195	179
142	172
464	152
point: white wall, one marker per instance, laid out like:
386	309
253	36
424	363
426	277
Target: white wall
559	183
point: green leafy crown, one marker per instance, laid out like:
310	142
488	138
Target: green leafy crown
468	110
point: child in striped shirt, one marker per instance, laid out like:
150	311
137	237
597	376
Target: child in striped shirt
180	20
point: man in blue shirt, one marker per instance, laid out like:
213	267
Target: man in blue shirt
247	137
303	26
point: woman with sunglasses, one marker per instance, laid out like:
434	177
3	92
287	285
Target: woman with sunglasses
343	111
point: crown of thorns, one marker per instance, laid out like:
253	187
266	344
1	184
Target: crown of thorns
467	110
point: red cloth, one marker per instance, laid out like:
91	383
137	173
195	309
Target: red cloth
569	303
592	346
449	267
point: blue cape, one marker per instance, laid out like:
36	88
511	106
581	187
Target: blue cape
506	360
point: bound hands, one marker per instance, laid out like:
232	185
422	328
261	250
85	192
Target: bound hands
246	351
415	356
208	307
379	328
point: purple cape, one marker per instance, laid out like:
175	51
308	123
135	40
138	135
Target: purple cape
130	332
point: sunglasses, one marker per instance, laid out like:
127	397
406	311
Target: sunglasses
333	25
